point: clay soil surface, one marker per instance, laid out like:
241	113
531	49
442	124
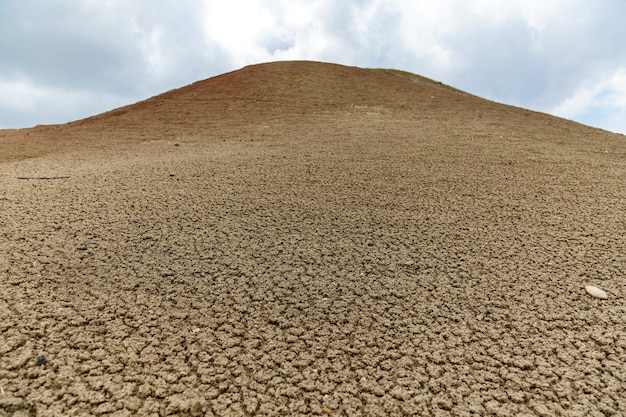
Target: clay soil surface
301	238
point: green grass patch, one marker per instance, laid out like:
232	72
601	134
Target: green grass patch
412	75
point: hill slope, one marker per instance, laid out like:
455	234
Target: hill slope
303	238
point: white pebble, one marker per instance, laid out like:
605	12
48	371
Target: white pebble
596	292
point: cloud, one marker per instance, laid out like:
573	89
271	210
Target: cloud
255	31
112	45
98	53
63	43
599	101
22	98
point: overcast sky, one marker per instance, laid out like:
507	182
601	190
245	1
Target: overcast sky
62	60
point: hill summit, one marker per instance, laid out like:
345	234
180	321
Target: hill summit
286	92
286	89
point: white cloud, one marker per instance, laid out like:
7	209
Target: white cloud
599	101
51	105
19	95
254	31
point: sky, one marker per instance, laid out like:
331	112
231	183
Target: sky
63	60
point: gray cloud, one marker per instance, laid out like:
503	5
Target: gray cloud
63	60
539	64
55	43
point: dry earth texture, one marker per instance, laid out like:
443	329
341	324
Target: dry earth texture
302	238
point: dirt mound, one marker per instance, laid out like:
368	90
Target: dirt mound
302	238
279	92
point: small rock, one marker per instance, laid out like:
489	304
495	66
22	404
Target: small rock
550	263
172	174
41	360
596	292
392	267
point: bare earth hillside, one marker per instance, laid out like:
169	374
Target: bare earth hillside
302	238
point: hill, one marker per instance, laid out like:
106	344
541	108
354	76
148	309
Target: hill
280	92
301	238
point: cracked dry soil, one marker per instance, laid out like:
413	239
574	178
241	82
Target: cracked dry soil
360	260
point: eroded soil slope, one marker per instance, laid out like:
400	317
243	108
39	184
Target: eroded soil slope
302	238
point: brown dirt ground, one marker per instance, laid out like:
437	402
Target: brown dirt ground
302	238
